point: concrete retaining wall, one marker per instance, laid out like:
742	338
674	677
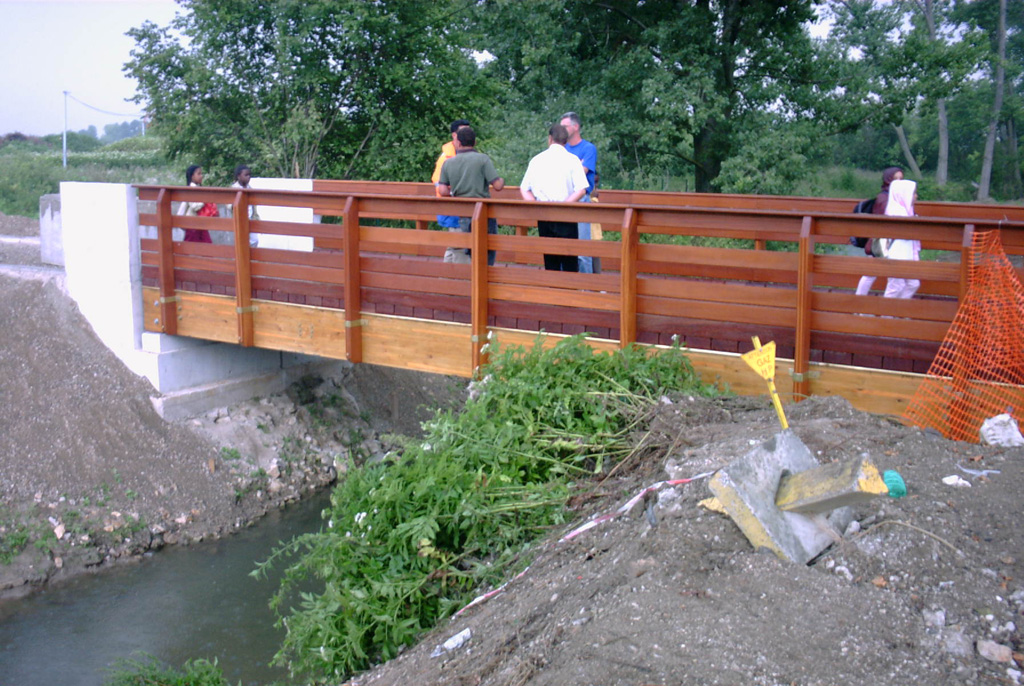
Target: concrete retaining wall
93	229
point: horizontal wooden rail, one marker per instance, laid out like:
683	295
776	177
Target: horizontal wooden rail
672	269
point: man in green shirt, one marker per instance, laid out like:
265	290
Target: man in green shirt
470	174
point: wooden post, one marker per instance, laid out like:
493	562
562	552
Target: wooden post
804	285
478	283
353	284
243	270
966	257
627	279
168	294
421	225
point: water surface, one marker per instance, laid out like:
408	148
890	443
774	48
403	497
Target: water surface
179	604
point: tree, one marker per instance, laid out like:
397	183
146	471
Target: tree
896	58
997	105
1003	25
336	87
116	132
671	82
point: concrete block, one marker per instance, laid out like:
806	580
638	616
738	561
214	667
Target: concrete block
158	343
192	402
746	489
188	367
51	240
822	489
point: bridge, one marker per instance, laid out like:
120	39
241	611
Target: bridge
371	285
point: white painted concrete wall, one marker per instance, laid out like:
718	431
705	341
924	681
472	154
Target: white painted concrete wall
284	214
50	243
99	234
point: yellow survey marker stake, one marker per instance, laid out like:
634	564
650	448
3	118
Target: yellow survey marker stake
762	360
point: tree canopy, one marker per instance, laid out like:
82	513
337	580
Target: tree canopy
708	95
341	88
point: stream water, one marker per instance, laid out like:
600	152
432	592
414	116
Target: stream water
182	603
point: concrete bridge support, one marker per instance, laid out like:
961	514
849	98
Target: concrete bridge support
93	229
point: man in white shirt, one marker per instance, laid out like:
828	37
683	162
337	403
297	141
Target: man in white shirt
556	175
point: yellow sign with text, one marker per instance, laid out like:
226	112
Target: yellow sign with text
762	360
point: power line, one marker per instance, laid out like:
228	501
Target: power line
113	114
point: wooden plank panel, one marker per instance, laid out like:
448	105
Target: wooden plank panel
299	328
547	296
715	291
416	283
387	264
654	253
930	309
911	329
438	347
871	390
333	275
199	315
426	346
914	269
518	276
413	299
716	312
699	271
328	259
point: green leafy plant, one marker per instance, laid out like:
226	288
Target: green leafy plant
14	537
230	454
151	672
409	539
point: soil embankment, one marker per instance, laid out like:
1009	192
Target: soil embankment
91	474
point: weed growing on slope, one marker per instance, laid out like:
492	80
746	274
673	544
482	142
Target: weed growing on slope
408	540
150	671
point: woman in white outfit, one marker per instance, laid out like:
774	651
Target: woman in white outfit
902	194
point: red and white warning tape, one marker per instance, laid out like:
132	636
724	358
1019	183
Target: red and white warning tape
629	505
587	527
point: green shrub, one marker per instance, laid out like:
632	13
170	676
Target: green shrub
28	171
151	672
407	541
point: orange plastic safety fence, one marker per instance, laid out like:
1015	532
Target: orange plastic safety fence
979	370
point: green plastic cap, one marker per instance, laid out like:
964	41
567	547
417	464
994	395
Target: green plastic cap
897	487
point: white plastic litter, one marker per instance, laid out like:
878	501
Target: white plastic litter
453	643
1001	430
954	480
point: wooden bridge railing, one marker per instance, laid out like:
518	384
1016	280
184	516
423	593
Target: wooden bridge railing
713	295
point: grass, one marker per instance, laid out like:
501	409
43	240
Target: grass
32	168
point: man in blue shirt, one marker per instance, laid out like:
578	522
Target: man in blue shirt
587	152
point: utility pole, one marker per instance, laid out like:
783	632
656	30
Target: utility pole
65	146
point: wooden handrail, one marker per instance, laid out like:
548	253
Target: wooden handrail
802	295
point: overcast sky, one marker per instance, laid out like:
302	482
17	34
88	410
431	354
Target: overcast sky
47	47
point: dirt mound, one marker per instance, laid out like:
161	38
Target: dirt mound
910	595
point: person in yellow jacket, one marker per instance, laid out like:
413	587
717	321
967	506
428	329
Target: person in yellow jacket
449	222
